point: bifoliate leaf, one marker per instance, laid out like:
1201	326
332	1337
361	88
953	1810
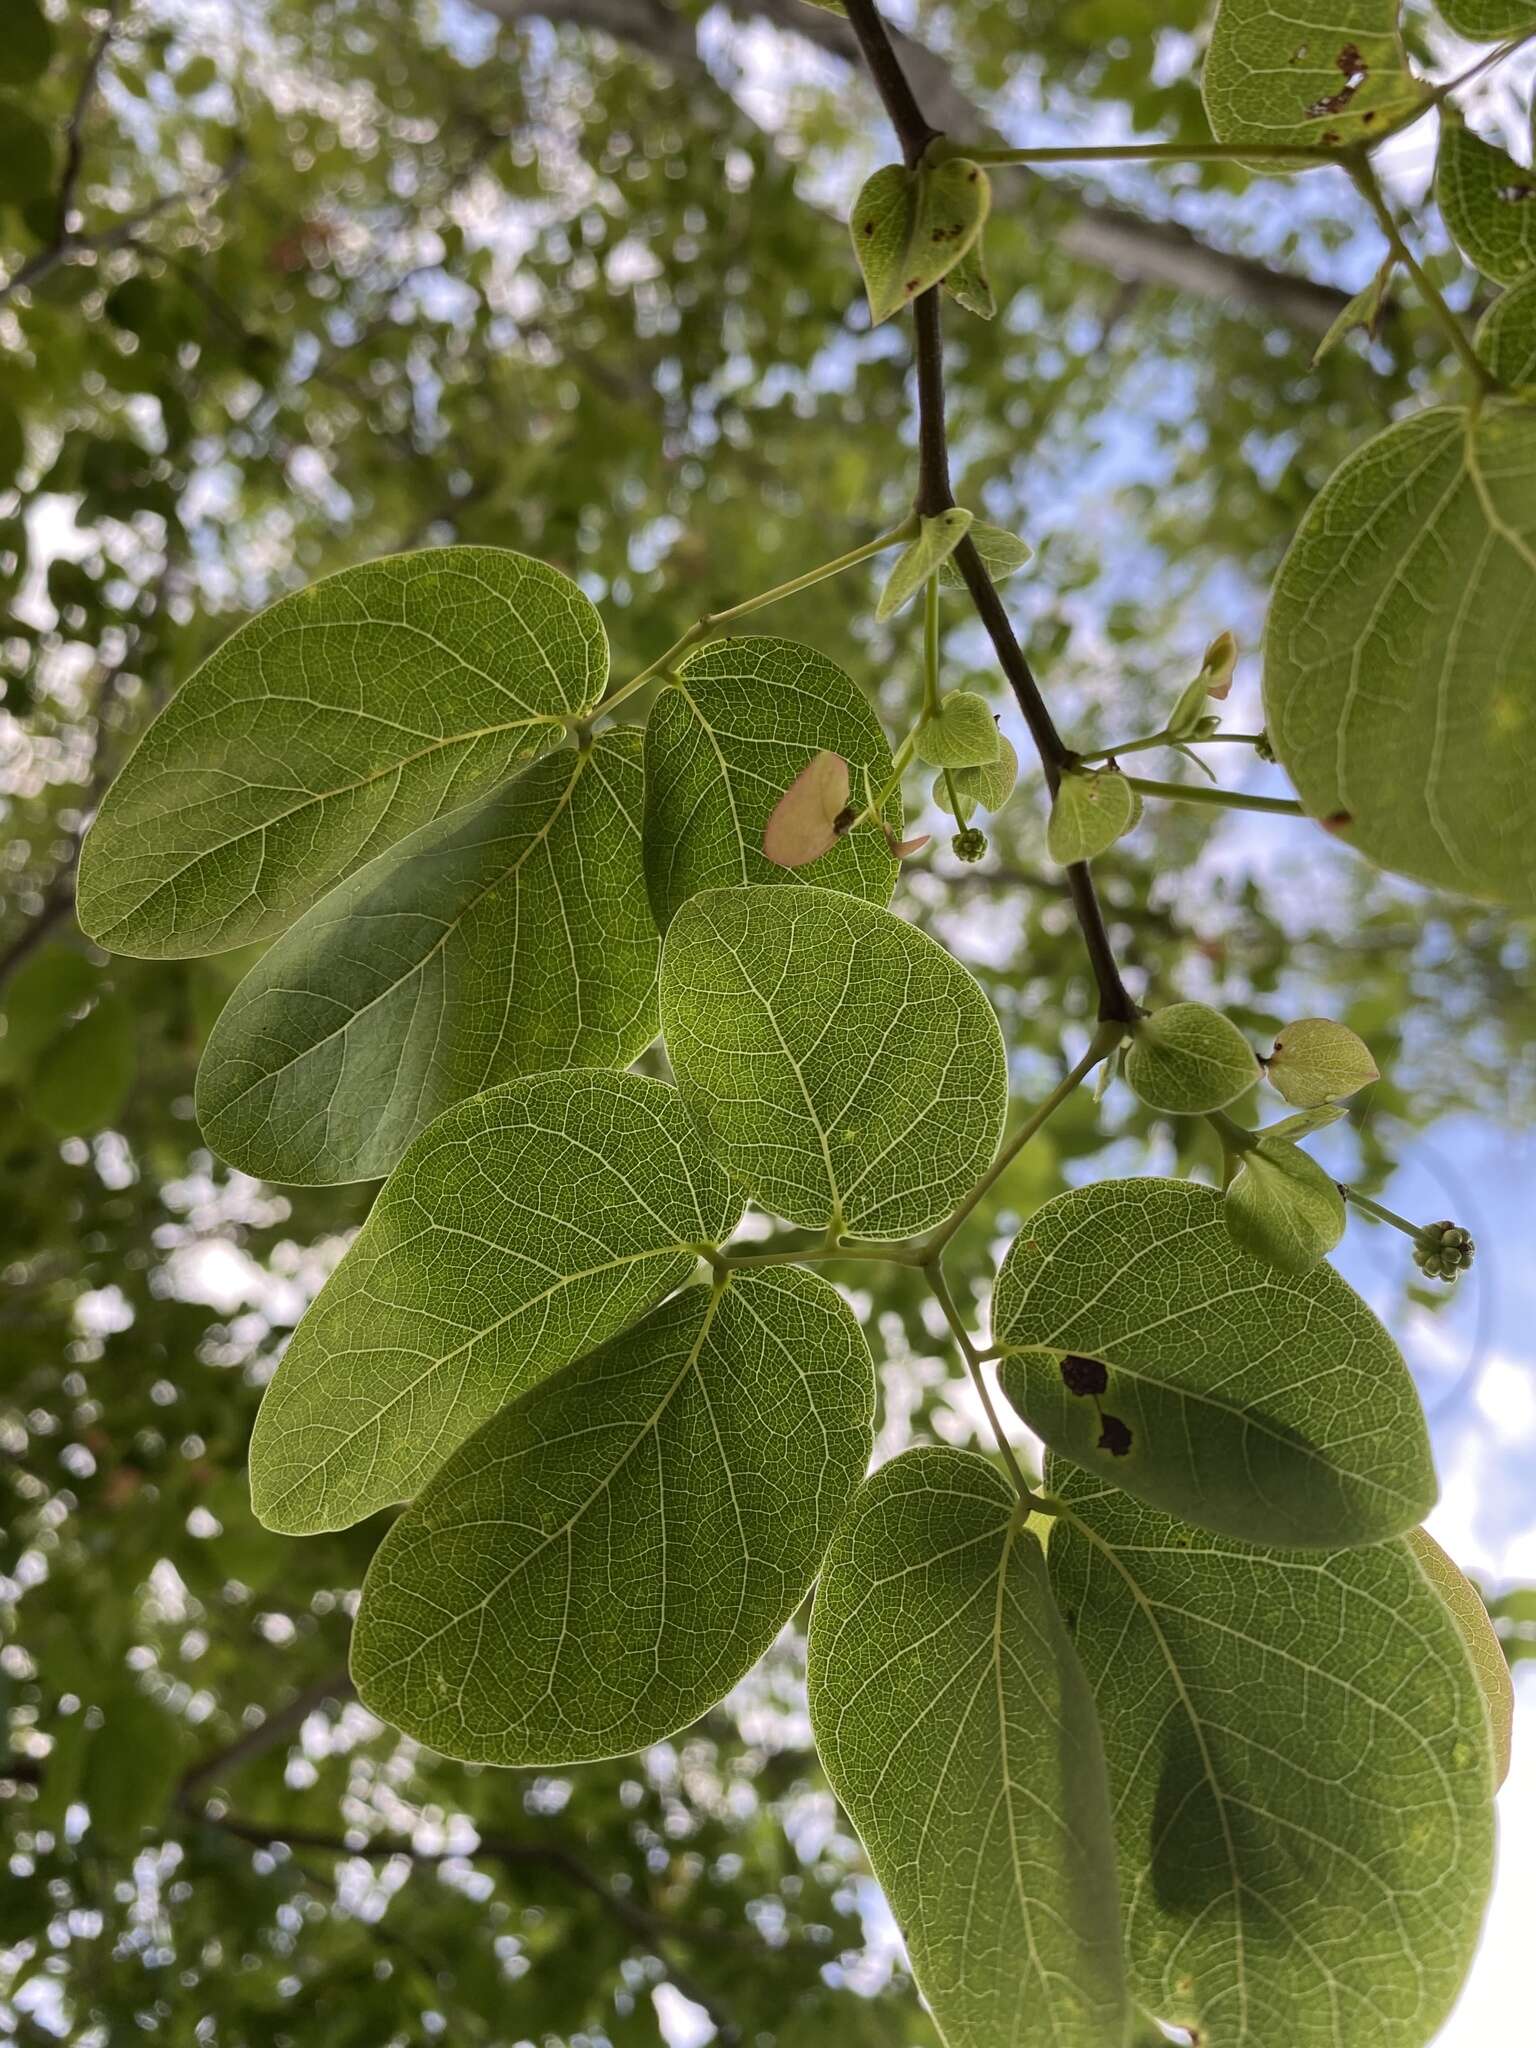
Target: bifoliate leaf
1482	1643
961	734
724	742
1092	808
1485	21
1188	1059
1363	310
1506	336
845	1068
911	227
602	1561
936	541
1299	1766
1142	1344
955	1724
1282	1207
1488	201
511	938
325	729
1001	552
1400	654
1326	73
524	1227
988	786
969	283
1315	1061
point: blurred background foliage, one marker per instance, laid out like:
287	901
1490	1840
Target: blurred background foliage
292	283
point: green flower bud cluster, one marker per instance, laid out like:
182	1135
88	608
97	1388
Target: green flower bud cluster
969	844
1443	1251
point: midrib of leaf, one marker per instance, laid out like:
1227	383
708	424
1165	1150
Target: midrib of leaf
419	967
725	774
559	1535
1207	1765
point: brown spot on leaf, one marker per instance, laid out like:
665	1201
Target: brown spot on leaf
1114	1437
1084	1375
1356	71
1338	821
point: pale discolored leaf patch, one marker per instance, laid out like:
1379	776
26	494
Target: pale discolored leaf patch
802	825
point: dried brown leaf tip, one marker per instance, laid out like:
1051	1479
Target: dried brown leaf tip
901	848
803	823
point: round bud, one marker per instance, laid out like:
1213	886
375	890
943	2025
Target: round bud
1443	1251
969	844
1263	749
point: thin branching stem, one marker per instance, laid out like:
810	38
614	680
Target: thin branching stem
1216	798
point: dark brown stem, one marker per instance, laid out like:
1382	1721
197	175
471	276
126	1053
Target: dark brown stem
934	495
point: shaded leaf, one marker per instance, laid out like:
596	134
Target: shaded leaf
603	1561
1506	336
524	1227
723	743
1485	21
1272	1408
1282	1207
513	937
844	1067
989	785
955	1724
1488	201
81	1080
1299	1765
1416	562
1363	310
326	728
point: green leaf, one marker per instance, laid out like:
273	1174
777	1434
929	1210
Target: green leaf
846	1069
1282	1207
961	734
990	785
38	1002
1416	568
604	1560
1299	1764
26	49
969	283
936	541
81	1080
1305	1122
326	728
952	1716
1151	1350
1506	336
1001	552
724	742
1485	21
1189	1059
510	938
1315	1061
1091	810
1327	74
131	1767
524	1227
1363	310
1482	1643
1488	200
911	227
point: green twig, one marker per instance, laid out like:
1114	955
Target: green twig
1215	798
1142	153
972	1357
1369	187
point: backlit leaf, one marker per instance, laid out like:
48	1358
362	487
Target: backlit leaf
1400	654
511	938
936	541
1299	1764
1481	1638
1315	1060
724	742
1001	552
970	285
1090	811
844	1067
961	734
1363	310
524	1227
955	1724
1151	1350
326	728
990	785
910	227
1188	1059
1488	200
603	1561
1329	74
1485	21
